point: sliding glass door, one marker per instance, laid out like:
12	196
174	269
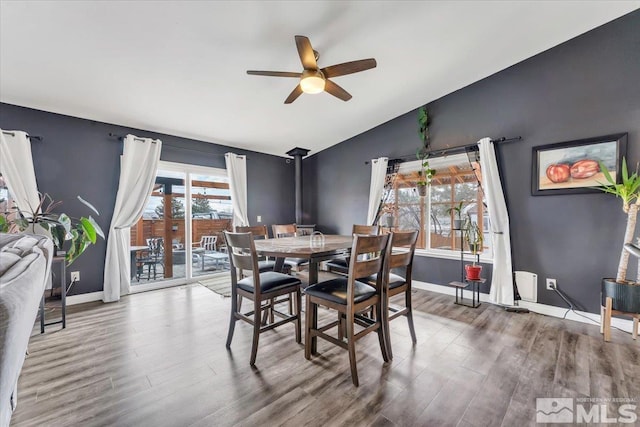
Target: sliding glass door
179	237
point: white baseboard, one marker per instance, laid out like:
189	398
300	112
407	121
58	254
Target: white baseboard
82	298
547	310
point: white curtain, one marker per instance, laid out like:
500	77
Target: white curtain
378	174
502	277
16	166
138	167
237	171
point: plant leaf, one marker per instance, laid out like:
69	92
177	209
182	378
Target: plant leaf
89	205
87	227
97	228
65	221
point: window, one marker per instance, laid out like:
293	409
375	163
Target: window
456	181
189	205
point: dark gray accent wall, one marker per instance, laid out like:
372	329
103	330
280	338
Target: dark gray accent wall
586	87
77	157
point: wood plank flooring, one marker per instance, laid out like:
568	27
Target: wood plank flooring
159	359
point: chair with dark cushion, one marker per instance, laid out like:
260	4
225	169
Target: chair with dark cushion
341	265
260	288
289	230
349	297
400	252
259	232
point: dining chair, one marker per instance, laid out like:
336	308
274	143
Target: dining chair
341	265
289	230
349	296
260	288
259	232
305	229
400	253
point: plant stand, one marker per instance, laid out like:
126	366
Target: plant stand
605	319
475	292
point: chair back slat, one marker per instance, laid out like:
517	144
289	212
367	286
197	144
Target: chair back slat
284	230
365	229
367	257
400	252
258	231
242	252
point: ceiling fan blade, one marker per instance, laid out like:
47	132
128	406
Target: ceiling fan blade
348	67
297	91
336	90
307	57
274	73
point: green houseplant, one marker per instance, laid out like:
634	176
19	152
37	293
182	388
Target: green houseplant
80	232
473	237
456	210
425	173
625	293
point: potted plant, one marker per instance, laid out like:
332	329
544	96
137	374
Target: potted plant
425	173
474	239
624	293
456	223
80	232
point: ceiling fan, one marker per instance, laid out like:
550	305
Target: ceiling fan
314	80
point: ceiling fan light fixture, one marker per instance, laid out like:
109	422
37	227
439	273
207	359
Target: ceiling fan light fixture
312	82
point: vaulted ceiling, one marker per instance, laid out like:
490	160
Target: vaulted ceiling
179	67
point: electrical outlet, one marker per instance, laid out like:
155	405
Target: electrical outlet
551	284
75	276
259	218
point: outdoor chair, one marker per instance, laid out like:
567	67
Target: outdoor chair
153	257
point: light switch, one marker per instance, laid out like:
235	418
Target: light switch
259	218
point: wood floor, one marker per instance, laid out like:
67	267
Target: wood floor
158	359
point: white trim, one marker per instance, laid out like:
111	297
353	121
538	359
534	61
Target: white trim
82	298
454	255
547	310
437	162
161	284
197	169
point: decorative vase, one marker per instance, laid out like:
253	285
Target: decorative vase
389	221
473	271
457	224
422	190
625	296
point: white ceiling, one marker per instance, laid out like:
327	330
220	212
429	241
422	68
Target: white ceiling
179	67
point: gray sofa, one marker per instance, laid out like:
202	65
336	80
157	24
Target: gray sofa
25	263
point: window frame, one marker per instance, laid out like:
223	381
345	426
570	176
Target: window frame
437	163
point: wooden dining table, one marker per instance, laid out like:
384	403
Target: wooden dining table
307	247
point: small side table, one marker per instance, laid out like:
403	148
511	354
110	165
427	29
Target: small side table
475	291
60	260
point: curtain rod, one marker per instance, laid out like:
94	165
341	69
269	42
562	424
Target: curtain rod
452	150
164	144
37	138
121	138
